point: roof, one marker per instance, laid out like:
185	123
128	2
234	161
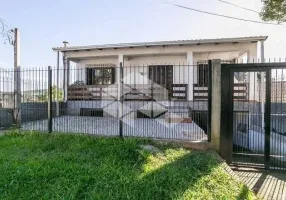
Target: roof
164	43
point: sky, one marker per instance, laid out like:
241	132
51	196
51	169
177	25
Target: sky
46	24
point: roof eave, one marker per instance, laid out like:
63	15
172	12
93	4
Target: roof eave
164	43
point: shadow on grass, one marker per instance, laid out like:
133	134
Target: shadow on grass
172	180
178	179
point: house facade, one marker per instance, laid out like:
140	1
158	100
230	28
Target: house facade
168	63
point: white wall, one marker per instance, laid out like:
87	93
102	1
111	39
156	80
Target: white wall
139	64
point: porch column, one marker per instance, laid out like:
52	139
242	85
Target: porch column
262	58
190	75
68	75
65	76
58	85
120	60
252	78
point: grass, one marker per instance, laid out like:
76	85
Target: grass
61	166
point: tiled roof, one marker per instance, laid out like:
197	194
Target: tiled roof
164	43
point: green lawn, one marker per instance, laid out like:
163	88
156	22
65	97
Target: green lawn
61	166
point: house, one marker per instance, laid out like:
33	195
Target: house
161	71
164	71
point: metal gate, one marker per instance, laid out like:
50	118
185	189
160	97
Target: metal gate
254	104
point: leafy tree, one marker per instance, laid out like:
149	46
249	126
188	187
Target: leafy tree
57	94
274	10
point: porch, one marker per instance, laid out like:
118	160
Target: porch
147	92
169	82
134	92
109	126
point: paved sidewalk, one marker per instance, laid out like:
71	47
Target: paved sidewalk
265	184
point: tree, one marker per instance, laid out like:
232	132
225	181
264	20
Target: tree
274	10
57	94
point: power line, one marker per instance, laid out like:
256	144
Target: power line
220	15
238	6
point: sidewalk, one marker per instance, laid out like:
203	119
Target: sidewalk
265	184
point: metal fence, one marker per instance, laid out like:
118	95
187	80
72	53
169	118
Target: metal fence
255	130
168	101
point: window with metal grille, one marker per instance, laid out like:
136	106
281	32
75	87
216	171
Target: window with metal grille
203	74
100	76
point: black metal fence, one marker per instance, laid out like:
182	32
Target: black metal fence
166	101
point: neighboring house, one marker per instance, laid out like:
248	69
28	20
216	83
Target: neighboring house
278	91
6	99
6	88
179	63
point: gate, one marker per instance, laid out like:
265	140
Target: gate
254	107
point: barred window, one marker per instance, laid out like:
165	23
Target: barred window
203	74
100	76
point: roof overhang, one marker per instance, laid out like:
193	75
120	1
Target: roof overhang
163	43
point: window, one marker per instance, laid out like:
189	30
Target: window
203	74
161	74
100	76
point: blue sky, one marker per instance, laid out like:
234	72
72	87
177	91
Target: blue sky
45	24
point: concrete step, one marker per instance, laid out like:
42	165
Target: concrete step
178	107
178	111
177	115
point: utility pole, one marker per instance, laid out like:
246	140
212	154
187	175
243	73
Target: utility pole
17	79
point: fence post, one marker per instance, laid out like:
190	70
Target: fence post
226	114
209	100
50	101
121	100
215	104
267	118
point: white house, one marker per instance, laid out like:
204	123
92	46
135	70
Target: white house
181	60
